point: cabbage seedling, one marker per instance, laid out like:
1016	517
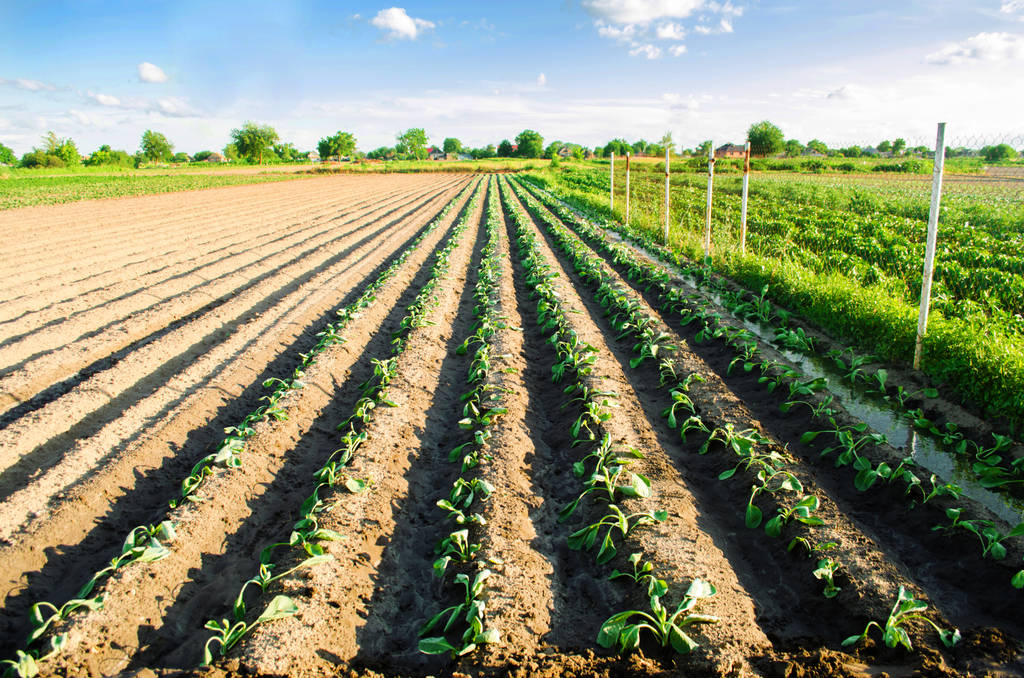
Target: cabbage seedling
667	628
904	610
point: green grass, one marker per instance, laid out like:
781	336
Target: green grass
25	188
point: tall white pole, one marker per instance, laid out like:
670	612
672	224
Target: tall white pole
707	212
666	194
611	184
627	189
929	252
743	207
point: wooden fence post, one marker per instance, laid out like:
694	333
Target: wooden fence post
666	194
707	215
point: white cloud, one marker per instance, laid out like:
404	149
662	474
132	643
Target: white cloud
981	47
151	73
725	26
398	25
847	92
726	8
640	11
702	29
677	50
1012	7
542	80
670	31
27	84
626	33
104	99
82	118
649	51
175	107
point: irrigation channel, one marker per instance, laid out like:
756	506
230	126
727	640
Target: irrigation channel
425	425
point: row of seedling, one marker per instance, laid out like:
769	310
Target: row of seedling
307	537
771	478
603	473
850	442
460	628
147	543
991	463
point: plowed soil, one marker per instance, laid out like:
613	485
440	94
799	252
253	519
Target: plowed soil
133	332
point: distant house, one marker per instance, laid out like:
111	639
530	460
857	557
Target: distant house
589	154
314	156
216	157
730	151
436	153
463	156
565	151
811	153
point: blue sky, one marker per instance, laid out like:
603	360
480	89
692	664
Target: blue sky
577	70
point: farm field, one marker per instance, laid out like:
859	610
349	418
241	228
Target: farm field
418	424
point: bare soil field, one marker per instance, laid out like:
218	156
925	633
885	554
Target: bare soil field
348	372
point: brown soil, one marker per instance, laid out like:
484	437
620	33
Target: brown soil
121	370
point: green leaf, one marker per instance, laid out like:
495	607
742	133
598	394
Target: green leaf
630	638
1018	580
279	608
725	475
355	485
774	527
681	642
852	640
438	645
753	518
610	631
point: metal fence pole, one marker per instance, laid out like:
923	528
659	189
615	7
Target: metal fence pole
611	184
627	189
929	252
743	206
707	215
666	194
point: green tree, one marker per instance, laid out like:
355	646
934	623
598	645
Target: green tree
898	145
505	149
452	145
180	157
552	149
488	151
850	152
703	149
287	152
341	144
818	145
382	153
104	155
884	146
666	140
997	153
231	152
252	141
412	142
765	138
794	148
7	156
617	146
531	144
640	147
155	146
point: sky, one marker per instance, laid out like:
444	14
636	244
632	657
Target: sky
585	71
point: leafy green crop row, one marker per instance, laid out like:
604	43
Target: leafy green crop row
603	470
482	406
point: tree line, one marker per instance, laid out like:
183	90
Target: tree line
258	144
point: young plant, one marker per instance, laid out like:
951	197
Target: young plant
228	634
585	538
895	633
471	610
668	629
642	574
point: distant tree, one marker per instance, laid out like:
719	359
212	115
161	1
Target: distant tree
703	148
531	144
180	157
155	146
202	156
793	148
898	145
287	152
104	155
851	152
640	147
231	152
452	145
381	153
884	147
7	156
666	140
765	138
818	145
341	145
40	158
505	149
488	151
413	143
252	141
617	146
1000	152
551	150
